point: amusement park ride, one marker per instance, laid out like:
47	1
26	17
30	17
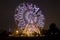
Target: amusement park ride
29	19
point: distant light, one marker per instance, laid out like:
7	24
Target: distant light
51	33
17	31
56	33
10	35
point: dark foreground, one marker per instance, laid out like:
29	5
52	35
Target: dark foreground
31	38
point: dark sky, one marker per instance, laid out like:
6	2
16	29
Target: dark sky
50	8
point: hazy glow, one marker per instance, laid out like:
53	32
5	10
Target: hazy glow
17	31
28	13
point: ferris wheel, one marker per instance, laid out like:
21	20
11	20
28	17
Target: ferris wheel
28	13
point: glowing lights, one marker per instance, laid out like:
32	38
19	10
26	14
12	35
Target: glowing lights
22	13
17	32
30	30
29	17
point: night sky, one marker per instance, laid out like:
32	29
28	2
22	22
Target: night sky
50	8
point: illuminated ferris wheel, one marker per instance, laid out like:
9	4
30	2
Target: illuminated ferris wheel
28	13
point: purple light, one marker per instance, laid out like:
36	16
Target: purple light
22	15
